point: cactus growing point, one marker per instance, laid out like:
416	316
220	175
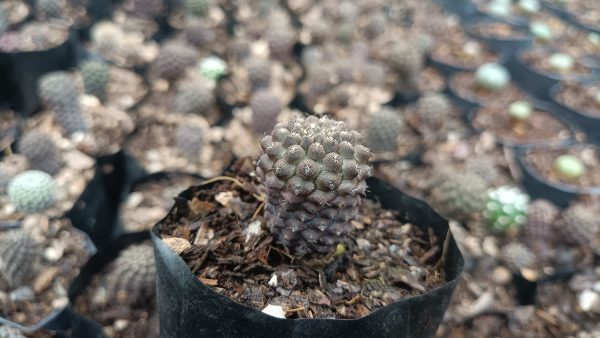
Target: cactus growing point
492	76
569	166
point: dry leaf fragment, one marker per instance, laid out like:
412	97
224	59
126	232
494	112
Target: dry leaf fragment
178	245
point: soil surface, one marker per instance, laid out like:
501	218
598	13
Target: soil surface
64	250
581	98
539	60
542	161
371	270
460	51
464	85
540	127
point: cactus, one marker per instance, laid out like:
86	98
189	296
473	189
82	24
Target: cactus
579	225
259	73
407	60
189	140
374	74
18	256
460	196
148	8
541	31
506	208
433	109
132	277
197	7
213	68
198	33
314	170
31	191
529	6
281	40
41	152
58	91
569	167
383	130
518	256
492	76
95	77
375	26
561	63
172	60
499	8
485	167
107	36
520	110
265	109
319	79
49	9
541	215
193	98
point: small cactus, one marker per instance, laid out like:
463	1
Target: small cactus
259	73
95	77
32	191
407	60
132	277
561	63
189	140
520	110
518	256
529	6
460	196
541	31
265	109
41	152
580	225
383	130
18	256
281	41
541	215
194	98
433	109
107	36
213	68
198	33
492	76
569	167
500	8
375	25
58	91
172	60
314	170
506	208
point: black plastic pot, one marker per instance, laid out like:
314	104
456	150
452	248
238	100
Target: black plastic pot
534	82
447	69
21	70
539	187
465	9
505	46
82	326
537	104
589	124
555	10
189	308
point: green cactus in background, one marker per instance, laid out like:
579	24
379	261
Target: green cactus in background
32	191
541	31
383	130
213	68
197	7
459	196
579	224
314	170
194	98
541	215
18	256
520	110
529	6
569	167
506	208
131	278
433	109
561	63
172	60
95	76
259	72
492	76
265	109
59	93
500	8
281	41
198	32
41	152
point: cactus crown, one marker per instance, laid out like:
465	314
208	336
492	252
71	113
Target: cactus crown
314	171
492	76
561	63
541	31
520	110
506	208
132	277
383	130
32	191
569	166
58	91
95	77
41	152
18	255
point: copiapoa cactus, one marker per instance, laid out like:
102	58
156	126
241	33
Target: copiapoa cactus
569	167
18	256
213	67
492	76
132	277
314	170
383	130
520	110
32	191
95	76
460	196
561	63
58	91
265	109
506	208
41	152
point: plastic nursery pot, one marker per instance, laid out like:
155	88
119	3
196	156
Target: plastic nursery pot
82	326
533	81
506	141
464	9
21	70
589	124
96	211
505	46
555	9
539	187
189	308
